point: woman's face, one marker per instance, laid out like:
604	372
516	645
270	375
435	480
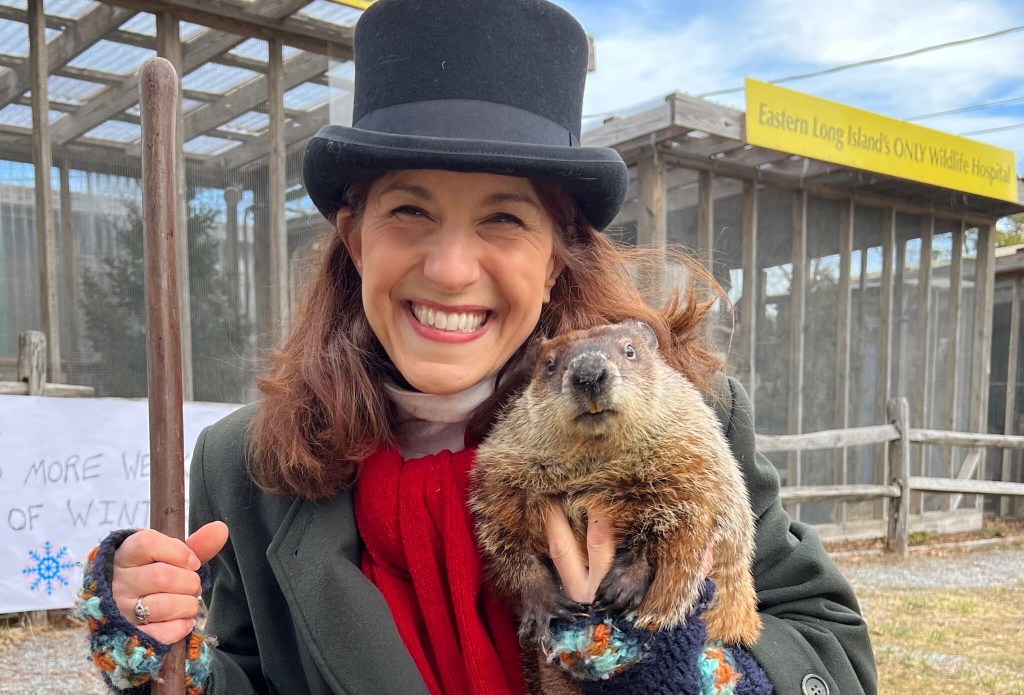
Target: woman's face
455	268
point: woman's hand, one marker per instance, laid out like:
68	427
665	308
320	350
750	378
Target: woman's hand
582	575
162	571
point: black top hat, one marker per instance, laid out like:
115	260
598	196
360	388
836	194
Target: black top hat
468	85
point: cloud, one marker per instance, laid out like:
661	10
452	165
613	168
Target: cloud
653	47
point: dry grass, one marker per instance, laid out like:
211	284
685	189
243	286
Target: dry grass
951	641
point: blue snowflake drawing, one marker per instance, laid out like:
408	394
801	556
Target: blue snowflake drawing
48	567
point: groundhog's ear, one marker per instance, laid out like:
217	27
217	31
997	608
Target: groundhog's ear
643	330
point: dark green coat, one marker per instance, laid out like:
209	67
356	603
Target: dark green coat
294	614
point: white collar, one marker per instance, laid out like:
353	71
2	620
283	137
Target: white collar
429	423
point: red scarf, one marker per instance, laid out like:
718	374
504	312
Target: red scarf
420	552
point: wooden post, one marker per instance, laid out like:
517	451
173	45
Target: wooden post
885	334
232	195
797	304
276	174
1010	414
922	351
42	158
842	400
32	361
952	342
652	221
158	88
748	316
706	220
898	412
68	259
168	38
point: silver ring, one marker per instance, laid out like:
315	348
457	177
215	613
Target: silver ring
141	611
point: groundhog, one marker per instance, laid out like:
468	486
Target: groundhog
606	421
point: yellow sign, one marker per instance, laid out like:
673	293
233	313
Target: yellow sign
788	121
357	4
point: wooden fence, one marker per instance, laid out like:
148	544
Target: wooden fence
898	435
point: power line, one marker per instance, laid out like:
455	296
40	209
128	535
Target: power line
872	61
994	130
965	108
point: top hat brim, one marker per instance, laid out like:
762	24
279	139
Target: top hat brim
337	155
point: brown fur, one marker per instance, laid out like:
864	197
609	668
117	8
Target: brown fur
647	449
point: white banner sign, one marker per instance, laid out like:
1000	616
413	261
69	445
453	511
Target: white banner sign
71	471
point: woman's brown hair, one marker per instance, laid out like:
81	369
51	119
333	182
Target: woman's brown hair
324	409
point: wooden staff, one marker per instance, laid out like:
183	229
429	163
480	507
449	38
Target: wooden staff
158	98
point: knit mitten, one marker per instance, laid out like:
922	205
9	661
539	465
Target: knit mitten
127	657
610	655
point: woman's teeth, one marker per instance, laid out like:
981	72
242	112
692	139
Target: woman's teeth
463	322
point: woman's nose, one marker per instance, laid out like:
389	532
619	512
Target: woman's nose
452	261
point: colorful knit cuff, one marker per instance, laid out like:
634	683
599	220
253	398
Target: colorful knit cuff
610	655
128	658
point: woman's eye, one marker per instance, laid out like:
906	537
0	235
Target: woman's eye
629	351
504	218
410	210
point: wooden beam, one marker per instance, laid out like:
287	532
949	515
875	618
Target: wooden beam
276	183
797	304
1010	409
748	315
827	439
168	45
247	96
84	32
243	160
767	177
307	34
842	396
46	245
692	113
882	383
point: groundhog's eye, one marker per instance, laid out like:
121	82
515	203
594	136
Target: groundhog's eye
629	352
551	365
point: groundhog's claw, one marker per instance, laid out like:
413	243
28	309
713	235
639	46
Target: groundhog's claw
537	613
626	583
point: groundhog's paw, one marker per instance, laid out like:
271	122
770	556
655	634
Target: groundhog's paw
626	583
539	608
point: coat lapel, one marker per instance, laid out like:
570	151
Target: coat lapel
339	613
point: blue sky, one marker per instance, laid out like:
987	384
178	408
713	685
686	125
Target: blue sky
648	48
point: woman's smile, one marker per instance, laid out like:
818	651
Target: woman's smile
447	324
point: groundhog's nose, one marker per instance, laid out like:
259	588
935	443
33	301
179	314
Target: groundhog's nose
590	374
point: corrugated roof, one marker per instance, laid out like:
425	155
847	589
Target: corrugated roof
143	23
251	122
205	144
189	31
21	116
115	58
14	38
213	78
69	90
307	96
331	12
72	9
256	49
116	131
